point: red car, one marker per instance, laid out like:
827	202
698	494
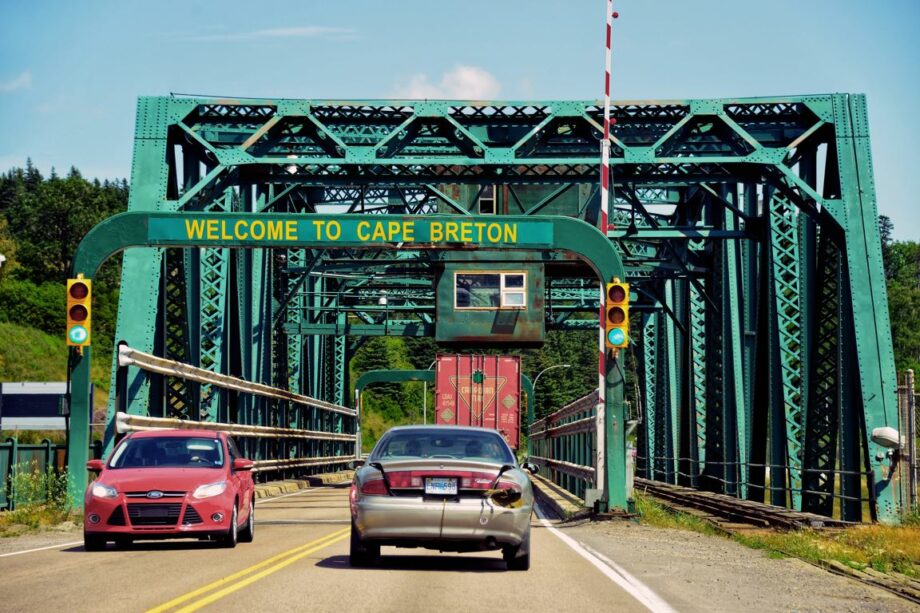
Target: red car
170	484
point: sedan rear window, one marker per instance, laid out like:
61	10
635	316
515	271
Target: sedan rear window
185	452
443	443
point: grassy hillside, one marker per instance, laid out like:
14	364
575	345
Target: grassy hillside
27	354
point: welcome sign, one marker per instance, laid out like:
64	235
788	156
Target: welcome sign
345	230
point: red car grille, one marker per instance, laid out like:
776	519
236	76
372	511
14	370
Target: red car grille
154	514
117	518
166	494
191	516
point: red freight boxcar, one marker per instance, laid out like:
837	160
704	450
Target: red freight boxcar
480	390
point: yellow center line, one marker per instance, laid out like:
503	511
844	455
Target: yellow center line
325	540
260	575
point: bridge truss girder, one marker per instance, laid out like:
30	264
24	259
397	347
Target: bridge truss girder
742	258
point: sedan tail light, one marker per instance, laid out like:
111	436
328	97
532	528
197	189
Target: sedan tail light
415	480
507	484
374	487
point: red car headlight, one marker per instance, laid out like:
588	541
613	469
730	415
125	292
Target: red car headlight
210	489
104	491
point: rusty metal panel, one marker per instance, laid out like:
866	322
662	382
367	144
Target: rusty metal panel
480	390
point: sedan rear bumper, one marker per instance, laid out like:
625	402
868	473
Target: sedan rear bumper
448	524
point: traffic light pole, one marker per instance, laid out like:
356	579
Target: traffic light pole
81	413
615	434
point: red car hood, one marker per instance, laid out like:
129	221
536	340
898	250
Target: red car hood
165	479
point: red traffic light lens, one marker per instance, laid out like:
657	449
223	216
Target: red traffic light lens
616	315
79	291
617	293
78	312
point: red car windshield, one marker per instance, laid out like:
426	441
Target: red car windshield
185	452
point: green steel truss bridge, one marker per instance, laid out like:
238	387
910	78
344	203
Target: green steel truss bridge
747	228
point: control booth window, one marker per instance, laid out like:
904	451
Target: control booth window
490	290
487	200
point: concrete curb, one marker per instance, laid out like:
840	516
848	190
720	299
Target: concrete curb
562	503
289	486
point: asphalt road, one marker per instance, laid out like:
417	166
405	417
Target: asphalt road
299	561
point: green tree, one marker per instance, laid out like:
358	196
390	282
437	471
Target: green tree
50	220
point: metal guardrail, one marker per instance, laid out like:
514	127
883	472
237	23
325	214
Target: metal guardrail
137	423
295	440
132	357
564	443
16	457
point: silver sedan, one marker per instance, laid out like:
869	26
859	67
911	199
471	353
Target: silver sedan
448	488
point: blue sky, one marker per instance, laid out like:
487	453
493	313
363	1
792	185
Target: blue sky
70	72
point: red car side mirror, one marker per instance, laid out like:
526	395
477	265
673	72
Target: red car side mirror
95	466
242	464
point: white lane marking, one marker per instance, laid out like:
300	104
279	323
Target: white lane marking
616	573
61	546
261	501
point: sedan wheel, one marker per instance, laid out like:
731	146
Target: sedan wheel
360	553
93	542
231	538
248	532
518	558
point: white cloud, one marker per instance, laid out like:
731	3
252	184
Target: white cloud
23	81
330	33
463	82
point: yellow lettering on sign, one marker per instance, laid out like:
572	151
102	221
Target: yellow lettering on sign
223	230
211	229
450	232
363	227
408	229
392	229
379	232
479	227
466	232
290	230
333	230
437	232
194	228
494	232
510	232
238	233
275	230
257	230
319	228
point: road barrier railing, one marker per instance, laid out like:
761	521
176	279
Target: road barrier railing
125	423
34	462
564	444
281	448
132	357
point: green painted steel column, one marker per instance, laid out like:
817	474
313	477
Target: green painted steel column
615	420
674	396
736	441
81	412
868	296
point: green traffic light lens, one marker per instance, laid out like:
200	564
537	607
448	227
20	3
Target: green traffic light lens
77	334
616	336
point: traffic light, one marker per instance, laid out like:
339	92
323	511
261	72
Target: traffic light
617	318
79	312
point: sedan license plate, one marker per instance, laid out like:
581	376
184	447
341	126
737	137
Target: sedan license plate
443	486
